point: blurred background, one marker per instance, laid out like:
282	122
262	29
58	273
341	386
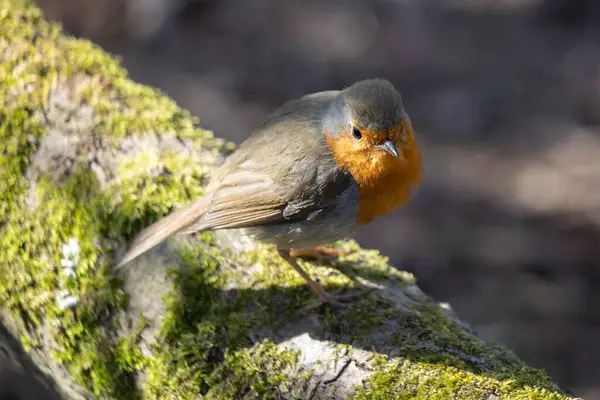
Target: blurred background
504	96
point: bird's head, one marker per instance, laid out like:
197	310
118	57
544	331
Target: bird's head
370	134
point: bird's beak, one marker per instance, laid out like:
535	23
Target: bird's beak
390	147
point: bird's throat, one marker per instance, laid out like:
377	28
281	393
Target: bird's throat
383	181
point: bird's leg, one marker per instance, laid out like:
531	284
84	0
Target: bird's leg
320	253
324	296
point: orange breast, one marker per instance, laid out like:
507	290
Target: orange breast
384	182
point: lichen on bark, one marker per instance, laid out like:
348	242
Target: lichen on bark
89	155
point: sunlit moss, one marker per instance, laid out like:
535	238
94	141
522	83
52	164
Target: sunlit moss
439	360
35	58
407	379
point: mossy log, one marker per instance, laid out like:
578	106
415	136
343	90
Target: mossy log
88	159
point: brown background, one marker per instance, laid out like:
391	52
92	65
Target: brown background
504	96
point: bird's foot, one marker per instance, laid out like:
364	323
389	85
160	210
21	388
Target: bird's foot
333	299
336	300
320	253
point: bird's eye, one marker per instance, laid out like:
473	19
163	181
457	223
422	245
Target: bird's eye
356	133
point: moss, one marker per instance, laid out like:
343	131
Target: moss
441	341
434	358
145	198
258	373
439	360
408	379
204	344
31	244
208	327
36	57
341	273
37	61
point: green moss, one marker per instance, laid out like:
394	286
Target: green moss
204	344
409	379
36	61
145	198
126	107
31	244
369	264
433	358
439	360
342	273
441	341
259	372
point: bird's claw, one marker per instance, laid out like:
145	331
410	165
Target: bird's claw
335	300
321	253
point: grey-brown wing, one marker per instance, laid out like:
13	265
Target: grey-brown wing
242	198
246	197
283	172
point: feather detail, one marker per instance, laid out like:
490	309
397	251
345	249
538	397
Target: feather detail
241	199
165	227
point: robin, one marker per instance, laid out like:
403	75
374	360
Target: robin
317	169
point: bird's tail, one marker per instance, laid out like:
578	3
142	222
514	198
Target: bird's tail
165	227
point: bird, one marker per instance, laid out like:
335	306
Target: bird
317	169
